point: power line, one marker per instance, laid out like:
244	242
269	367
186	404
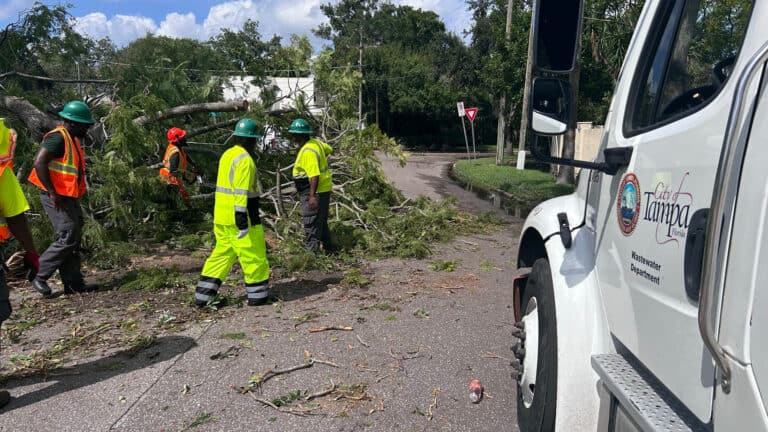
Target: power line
166	68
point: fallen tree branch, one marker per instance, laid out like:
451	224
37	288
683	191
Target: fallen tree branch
204	129
56	80
259	380
407	200
241	105
202	196
36	120
359	218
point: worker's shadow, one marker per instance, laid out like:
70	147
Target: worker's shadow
295	289
71	378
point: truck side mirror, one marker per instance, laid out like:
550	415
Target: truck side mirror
550	106
549	114
557	28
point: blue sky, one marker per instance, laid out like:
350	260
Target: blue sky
126	20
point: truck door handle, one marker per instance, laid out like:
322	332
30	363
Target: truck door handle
694	253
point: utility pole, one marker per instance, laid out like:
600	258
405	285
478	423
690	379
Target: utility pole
526	100
502	123
79	84
360	90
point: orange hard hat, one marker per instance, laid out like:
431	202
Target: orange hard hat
175	134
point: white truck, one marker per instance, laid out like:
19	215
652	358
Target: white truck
638	303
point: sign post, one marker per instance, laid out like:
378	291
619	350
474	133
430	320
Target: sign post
462	113
471	114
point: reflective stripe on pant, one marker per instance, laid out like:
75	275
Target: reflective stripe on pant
315	221
250	250
257	291
206	289
64	253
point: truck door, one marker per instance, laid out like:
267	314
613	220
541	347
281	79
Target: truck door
671	107
741	280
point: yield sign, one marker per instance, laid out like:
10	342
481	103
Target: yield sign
471	113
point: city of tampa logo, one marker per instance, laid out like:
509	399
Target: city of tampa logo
669	209
628	204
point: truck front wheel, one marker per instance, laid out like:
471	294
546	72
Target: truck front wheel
537	353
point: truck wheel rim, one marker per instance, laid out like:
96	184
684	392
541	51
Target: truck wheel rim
531	358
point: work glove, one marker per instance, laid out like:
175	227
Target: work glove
32	264
199	180
242	233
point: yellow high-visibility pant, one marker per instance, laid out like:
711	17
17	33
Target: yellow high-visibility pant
250	250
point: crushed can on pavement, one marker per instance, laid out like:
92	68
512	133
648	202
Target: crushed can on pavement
475	391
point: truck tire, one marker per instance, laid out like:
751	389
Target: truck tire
536	404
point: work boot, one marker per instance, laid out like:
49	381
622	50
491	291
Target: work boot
80	288
5	397
42	287
258	302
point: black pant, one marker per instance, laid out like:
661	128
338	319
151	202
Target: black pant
5	304
64	253
316	221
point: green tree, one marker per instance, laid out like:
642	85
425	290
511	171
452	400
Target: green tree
170	70
291	60
413	70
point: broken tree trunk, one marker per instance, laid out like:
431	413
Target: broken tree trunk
240	105
36	120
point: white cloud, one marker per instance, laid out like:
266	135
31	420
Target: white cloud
121	29
274	17
95	25
432	5
301	16
9	10
454	13
179	26
229	15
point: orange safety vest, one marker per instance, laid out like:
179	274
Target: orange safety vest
165	171
68	172
7	146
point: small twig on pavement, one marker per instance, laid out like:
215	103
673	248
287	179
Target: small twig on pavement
490	355
359	339
273	406
325	362
259	380
373	410
333	327
321	393
435	392
382	378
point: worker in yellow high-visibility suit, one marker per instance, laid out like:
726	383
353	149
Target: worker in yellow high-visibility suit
314	181
13	223
236	222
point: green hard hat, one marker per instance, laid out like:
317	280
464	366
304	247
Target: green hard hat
300	126
77	112
247	128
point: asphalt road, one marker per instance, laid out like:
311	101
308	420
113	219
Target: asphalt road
414	339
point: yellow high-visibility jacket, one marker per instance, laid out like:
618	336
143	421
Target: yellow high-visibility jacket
235	183
312	162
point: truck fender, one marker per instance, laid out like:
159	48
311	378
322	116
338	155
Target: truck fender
582	329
